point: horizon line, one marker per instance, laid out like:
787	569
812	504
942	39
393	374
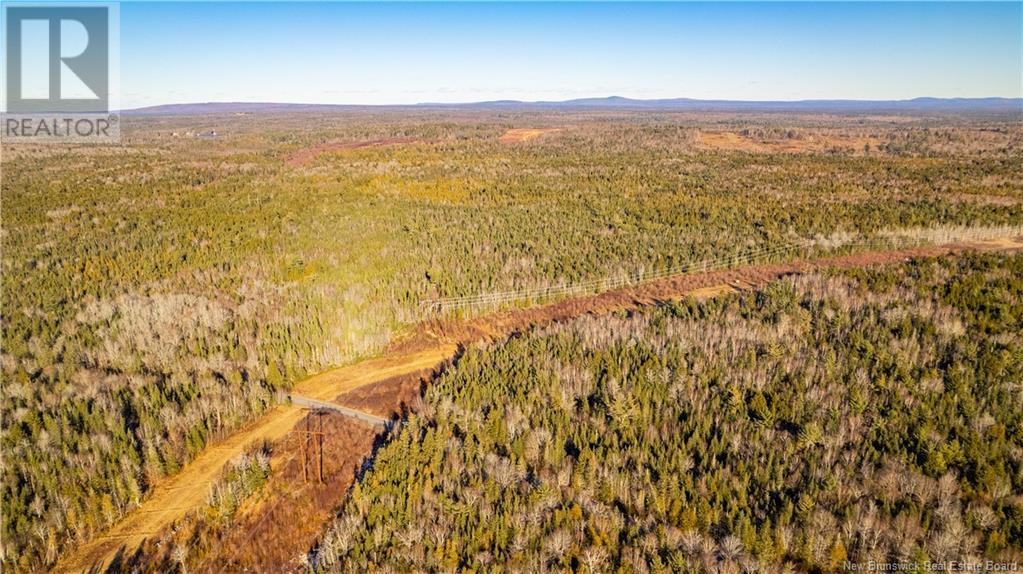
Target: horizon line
592	99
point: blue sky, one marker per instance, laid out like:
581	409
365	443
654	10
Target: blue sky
449	52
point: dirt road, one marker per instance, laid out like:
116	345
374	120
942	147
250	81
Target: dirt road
429	346
187	490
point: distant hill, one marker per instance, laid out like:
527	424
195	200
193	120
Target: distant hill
918	105
233	108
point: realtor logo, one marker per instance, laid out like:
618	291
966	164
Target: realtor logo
58	71
57	59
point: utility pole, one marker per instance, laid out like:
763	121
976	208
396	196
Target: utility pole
306	448
304	440
319	418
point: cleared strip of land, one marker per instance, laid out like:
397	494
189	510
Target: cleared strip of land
179	494
188	489
428	348
517	135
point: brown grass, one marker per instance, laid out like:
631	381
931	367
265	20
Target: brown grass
388	398
518	135
731	141
288	515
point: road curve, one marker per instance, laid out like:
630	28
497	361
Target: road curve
187	490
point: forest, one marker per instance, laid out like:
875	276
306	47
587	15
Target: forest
159	294
837	418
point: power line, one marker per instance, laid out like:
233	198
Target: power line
761	254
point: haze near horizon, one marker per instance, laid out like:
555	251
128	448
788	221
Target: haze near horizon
353	53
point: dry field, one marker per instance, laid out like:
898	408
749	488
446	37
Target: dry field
731	141
518	135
